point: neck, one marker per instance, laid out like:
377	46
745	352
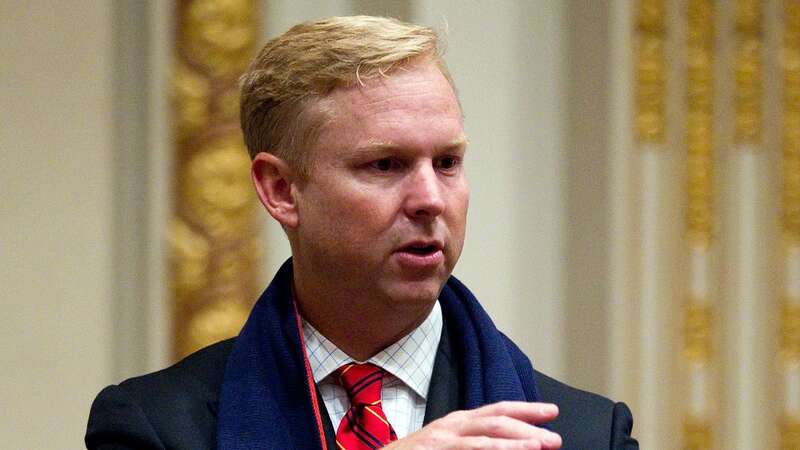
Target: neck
348	328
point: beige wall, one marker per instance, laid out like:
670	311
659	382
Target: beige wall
84	158
507	63
55	219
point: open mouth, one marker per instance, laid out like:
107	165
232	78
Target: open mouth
421	255
421	249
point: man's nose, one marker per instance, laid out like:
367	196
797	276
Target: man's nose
425	199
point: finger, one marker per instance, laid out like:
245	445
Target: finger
484	443
503	427
524	411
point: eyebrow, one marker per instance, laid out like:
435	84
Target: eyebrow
376	145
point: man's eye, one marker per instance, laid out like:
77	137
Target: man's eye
448	162
384	164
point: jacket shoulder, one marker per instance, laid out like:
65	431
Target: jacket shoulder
587	420
555	391
173	408
198	376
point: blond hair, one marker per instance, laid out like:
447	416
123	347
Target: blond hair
281	89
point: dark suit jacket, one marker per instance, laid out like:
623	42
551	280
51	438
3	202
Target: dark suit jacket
176	408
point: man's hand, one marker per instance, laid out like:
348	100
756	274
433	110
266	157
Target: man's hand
499	426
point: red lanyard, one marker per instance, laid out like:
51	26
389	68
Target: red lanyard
312	386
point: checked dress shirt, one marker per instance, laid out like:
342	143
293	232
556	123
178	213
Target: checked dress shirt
408	363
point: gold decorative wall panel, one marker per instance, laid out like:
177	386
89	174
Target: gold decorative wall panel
791	123
748	68
738	63
790	335
214	243
699	224
650	71
790	312
790	435
699	120
698	329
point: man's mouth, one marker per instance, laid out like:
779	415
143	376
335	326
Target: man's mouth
421	255
420	249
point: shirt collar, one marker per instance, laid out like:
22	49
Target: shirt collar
410	359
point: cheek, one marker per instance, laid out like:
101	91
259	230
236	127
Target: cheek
460	205
350	211
374	209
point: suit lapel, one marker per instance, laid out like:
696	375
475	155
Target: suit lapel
327	425
444	394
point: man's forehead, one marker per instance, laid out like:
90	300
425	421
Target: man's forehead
413	107
413	79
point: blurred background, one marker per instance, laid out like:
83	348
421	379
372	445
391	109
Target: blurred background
634	220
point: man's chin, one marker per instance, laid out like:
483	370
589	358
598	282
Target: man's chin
416	293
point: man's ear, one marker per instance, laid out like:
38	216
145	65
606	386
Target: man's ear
274	180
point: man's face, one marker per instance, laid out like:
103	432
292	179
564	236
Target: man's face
384	210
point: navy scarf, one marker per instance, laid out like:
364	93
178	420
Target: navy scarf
268	397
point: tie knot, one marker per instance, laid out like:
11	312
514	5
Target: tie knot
362	382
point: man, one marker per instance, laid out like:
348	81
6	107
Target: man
363	339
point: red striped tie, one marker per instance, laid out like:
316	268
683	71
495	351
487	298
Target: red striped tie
364	426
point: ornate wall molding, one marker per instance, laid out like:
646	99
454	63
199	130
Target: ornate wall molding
727	360
214	235
791	125
699	120
650	88
790	331
790	311
697	347
699	224
748	67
